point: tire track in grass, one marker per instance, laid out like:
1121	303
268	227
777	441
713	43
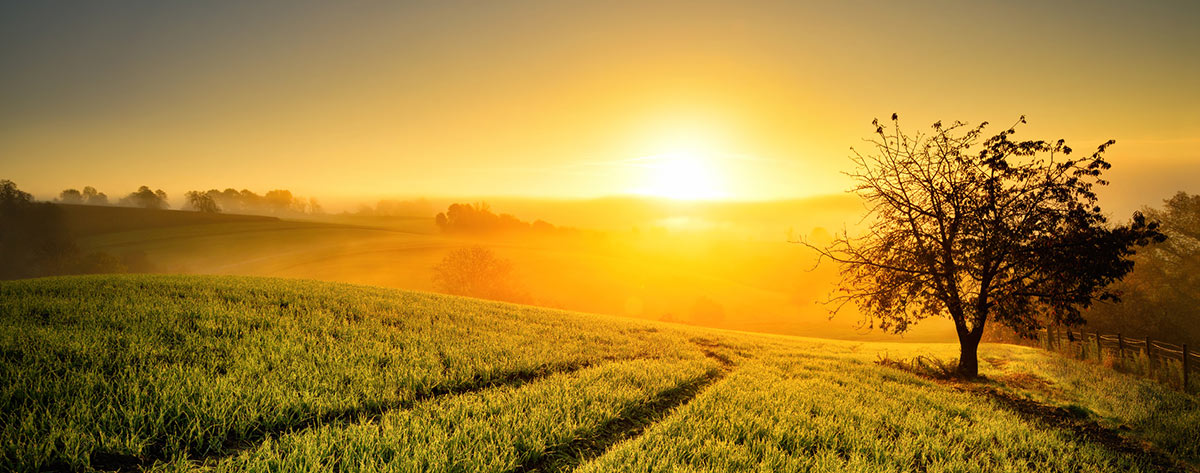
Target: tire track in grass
631	423
111	461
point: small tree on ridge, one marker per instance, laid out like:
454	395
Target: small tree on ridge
978	229
202	202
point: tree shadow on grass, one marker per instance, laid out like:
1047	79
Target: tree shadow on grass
1074	419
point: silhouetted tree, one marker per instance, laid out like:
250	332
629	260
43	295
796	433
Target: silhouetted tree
228	200
479	219
202	202
89	196
250	200
278	200
70	196
467	218
477	272
980	229
93	197
11	197
146	198
314	207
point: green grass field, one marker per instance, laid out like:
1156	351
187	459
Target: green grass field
191	373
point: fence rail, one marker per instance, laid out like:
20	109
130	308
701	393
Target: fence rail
1160	356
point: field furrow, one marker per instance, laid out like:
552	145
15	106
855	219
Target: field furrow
486	431
366	412
629	424
119	368
810	412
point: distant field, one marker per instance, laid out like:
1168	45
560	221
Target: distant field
86	220
759	285
191	373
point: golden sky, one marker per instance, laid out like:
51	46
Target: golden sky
733	100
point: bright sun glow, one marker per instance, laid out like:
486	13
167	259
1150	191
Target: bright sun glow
682	175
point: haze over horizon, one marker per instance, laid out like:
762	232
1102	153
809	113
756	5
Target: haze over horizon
710	101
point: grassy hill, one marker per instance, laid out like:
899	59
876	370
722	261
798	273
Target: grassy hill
186	373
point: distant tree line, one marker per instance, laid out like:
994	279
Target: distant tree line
146	198
396	208
89	196
479	219
35	241
274	202
143	197
1162	294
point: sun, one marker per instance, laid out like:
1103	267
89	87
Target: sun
684	175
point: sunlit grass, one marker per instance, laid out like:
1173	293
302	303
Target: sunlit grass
130	364
180	373
496	430
800	410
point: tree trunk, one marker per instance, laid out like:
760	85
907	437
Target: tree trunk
968	359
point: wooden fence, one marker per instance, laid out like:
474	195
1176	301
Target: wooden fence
1161	359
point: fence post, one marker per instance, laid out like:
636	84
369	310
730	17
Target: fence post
1121	346
1185	367
1150	355
1099	349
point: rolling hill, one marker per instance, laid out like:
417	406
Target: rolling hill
206	373
757	285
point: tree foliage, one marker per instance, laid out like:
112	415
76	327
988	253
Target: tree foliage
274	202
1162	294
89	196
479	219
71	196
93	197
202	202
146	198
978	229
477	272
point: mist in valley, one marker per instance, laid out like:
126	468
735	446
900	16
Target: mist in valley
731	265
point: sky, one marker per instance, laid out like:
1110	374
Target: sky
707	100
